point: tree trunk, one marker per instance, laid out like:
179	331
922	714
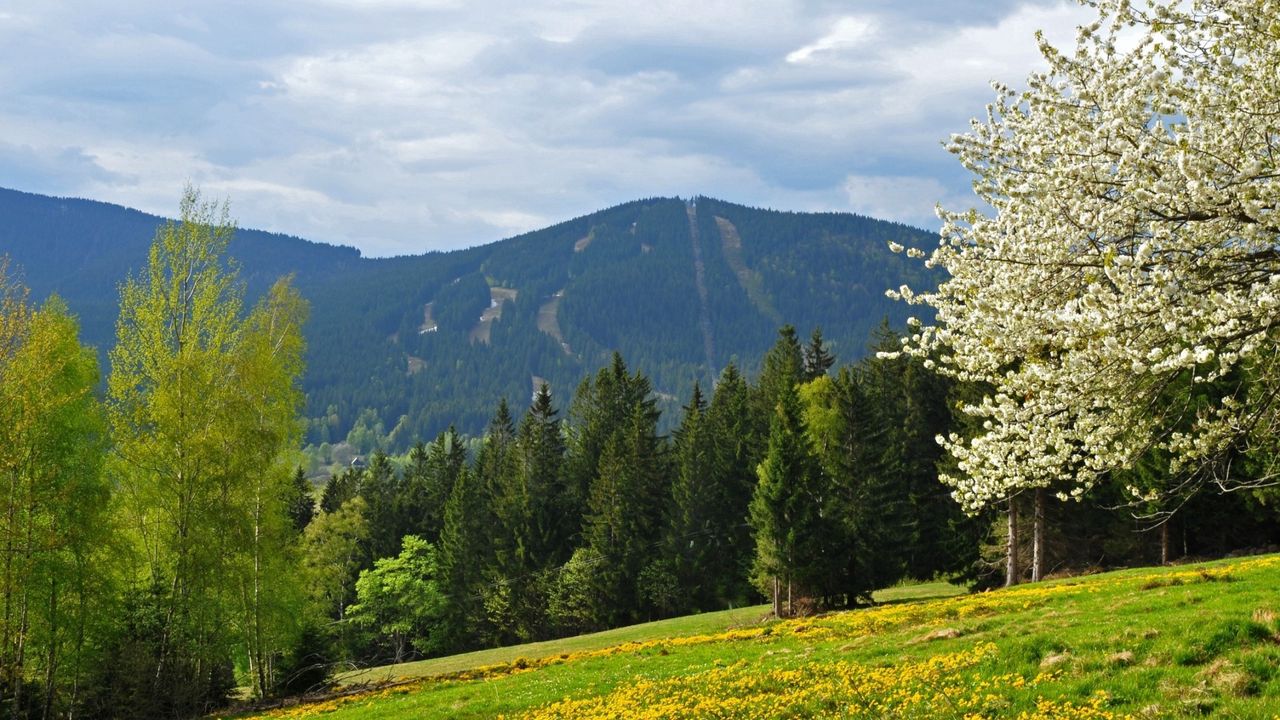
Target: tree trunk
777	598
1037	537
259	653
1012	573
51	659
1164	543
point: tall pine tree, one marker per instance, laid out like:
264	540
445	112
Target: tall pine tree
786	511
738	439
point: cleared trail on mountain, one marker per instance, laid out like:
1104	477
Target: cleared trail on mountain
751	282
699	279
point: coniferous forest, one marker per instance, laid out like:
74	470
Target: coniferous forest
396	346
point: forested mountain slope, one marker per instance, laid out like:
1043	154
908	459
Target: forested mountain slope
678	287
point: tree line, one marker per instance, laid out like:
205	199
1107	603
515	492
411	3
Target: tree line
809	486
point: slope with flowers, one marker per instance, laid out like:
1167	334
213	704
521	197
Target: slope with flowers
1191	641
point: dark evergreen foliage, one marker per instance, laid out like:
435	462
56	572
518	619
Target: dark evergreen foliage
783	367
302	506
381	489
463	552
430	478
341	488
791	531
817	360
623	279
738	442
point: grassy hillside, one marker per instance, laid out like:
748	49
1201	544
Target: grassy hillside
1190	641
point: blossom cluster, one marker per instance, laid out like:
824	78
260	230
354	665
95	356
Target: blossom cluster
1119	291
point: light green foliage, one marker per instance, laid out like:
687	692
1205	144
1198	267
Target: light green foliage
399	597
53	503
368	433
203	405
570	603
821	416
262	456
332	554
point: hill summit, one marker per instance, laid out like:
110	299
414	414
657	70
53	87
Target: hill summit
409	345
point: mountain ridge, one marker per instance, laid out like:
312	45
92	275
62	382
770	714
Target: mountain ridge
679	286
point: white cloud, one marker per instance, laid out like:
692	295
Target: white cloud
906	199
849	32
402	126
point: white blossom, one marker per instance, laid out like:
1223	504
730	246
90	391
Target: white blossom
1129	249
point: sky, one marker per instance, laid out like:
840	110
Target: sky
403	126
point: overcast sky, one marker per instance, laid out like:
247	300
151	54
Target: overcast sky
401	126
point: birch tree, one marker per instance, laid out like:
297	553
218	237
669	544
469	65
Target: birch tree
53	509
203	405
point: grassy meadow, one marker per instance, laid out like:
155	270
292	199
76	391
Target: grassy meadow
1188	641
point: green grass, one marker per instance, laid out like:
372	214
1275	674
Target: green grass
1191	641
701	624
690	625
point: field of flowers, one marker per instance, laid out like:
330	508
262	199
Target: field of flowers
1189	641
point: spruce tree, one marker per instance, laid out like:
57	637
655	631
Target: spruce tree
381	491
738	444
508	515
623	521
301	504
464	547
817	360
540	468
692	544
416	498
867	504
786	511
531	536
782	368
602	406
430	477
341	488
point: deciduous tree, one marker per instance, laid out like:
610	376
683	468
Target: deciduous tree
1126	255
53	506
203	403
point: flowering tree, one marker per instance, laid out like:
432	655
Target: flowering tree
1122	292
